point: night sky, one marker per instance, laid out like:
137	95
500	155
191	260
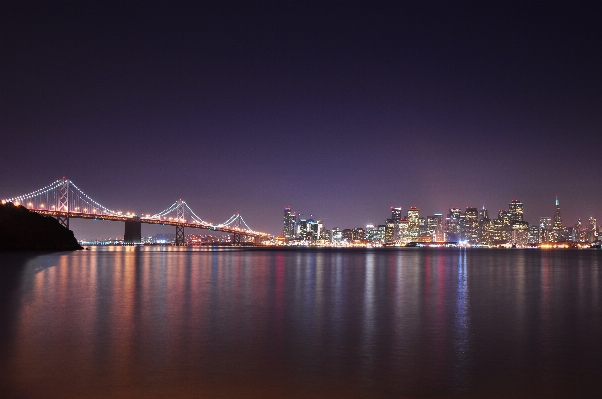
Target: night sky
340	110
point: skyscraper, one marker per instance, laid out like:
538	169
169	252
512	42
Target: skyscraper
557	228
453	226
289	223
413	223
483	214
516	211
545	229
435	227
471	225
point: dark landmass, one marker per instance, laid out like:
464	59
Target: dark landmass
23	230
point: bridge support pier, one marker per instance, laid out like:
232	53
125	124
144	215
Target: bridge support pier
63	220
133	231
236	238
180	238
257	240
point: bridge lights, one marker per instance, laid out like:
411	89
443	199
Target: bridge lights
53	207
42	206
30	205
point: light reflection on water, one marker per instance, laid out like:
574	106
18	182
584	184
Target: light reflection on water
155	322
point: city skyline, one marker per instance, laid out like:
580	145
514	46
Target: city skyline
341	109
85	231
471	226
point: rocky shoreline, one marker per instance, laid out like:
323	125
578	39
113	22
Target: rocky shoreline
24	230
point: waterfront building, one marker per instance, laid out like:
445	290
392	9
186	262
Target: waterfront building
439	232
592	230
520	234
545	229
471	226
390	230
413	229
359	234
347	235
515	209
577	233
435	227
423	228
308	229
396	213
484	227
453	228
336	235
487	229
301	228
557	228
371	233
290	221
401	231
533	235
483	214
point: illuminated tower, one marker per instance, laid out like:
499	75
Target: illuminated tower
289	223
545	229
471	225
516	212
453	227
557	228
413	223
483	214
435	227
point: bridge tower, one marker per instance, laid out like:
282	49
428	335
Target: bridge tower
237	238
133	231
180	237
64	203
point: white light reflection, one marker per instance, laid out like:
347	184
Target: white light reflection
368	326
462	327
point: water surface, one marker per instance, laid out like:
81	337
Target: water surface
415	323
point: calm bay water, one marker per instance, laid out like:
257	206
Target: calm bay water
413	323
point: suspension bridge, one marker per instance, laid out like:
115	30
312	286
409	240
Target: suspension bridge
64	200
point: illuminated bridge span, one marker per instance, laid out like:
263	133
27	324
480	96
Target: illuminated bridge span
64	200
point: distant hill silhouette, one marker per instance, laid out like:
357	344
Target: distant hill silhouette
23	230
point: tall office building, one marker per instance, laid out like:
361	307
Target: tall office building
593	225
471	226
592	230
435	227
545	229
483	214
390	229
516	212
557	228
533	237
413	223
396	213
453	226
290	219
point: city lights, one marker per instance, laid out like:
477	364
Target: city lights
471	228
